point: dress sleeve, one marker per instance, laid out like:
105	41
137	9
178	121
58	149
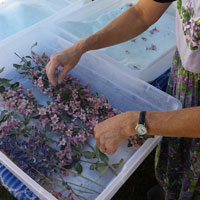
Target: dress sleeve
164	1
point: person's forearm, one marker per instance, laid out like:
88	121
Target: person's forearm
123	28
128	25
180	123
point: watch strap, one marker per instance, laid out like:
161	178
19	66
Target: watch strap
142	117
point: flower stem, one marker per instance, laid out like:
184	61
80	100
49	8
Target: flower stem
22	58
109	166
84	177
83	187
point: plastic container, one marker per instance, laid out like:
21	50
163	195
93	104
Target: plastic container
146	56
16	15
123	91
83	2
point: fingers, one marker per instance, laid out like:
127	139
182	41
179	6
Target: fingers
107	150
62	74
102	149
50	71
100	142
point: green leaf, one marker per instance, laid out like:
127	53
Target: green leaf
194	48
23	72
67	166
48	128
19	117
97	151
2	89
65	96
103	157
101	168
186	14
17	66
9	115
2	117
25	135
14	85
5	82
197	22
38	68
118	165
1	70
179	5
28	57
78	167
89	154
76	158
22	127
29	127
36	117
4	112
26	120
35	44
93	166
43	55
26	65
198	33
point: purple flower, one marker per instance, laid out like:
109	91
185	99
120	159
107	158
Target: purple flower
42	111
30	92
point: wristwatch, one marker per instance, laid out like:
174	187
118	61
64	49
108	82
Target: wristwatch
140	127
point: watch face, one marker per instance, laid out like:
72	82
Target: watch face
141	129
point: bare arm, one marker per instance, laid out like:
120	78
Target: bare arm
131	23
113	132
128	25
181	123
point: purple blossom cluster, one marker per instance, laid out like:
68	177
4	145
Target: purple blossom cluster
16	100
30	157
27	127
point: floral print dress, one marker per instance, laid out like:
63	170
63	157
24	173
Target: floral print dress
177	163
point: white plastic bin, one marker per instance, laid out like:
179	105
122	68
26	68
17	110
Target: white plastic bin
83	2
16	15
137	56
123	91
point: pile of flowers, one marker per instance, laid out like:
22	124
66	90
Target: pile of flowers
47	140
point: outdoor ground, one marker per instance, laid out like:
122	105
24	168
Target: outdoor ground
135	188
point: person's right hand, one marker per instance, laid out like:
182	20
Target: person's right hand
67	58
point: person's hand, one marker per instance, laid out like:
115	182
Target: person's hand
67	58
112	133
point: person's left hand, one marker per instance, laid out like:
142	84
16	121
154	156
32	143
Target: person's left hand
112	133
